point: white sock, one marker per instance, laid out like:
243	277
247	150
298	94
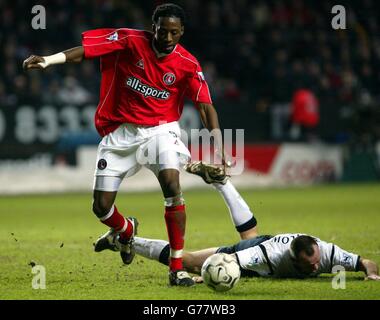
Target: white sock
239	210
149	248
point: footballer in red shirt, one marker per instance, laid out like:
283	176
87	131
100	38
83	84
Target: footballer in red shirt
145	79
139	84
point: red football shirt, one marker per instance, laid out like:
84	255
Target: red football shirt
137	86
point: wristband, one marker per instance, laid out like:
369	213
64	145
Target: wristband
57	58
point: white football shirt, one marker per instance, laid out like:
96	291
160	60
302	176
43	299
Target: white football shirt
272	257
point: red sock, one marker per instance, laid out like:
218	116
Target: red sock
116	221
175	218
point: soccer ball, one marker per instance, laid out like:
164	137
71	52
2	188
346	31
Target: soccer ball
220	272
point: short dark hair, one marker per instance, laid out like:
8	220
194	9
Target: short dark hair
302	243
168	10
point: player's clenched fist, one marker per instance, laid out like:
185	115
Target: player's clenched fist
37	62
33	62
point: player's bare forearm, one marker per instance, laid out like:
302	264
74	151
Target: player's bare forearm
73	55
210	120
370	268
209	116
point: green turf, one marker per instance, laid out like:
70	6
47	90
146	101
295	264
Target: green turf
57	231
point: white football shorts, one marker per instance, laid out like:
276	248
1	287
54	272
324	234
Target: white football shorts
123	152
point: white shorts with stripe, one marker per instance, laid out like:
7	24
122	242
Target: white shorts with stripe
123	152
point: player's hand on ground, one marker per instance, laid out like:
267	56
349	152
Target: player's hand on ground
33	62
373	277
198	279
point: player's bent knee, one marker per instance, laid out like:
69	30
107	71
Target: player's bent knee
169	181
101	207
171	189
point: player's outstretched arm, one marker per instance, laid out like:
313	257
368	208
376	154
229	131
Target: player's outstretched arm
74	55
370	268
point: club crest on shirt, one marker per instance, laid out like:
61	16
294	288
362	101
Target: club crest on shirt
140	64
169	78
346	260
255	259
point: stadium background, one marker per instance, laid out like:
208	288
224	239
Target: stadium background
255	56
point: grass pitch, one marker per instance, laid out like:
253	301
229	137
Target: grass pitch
57	231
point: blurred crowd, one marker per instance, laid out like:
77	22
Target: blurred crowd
252	52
